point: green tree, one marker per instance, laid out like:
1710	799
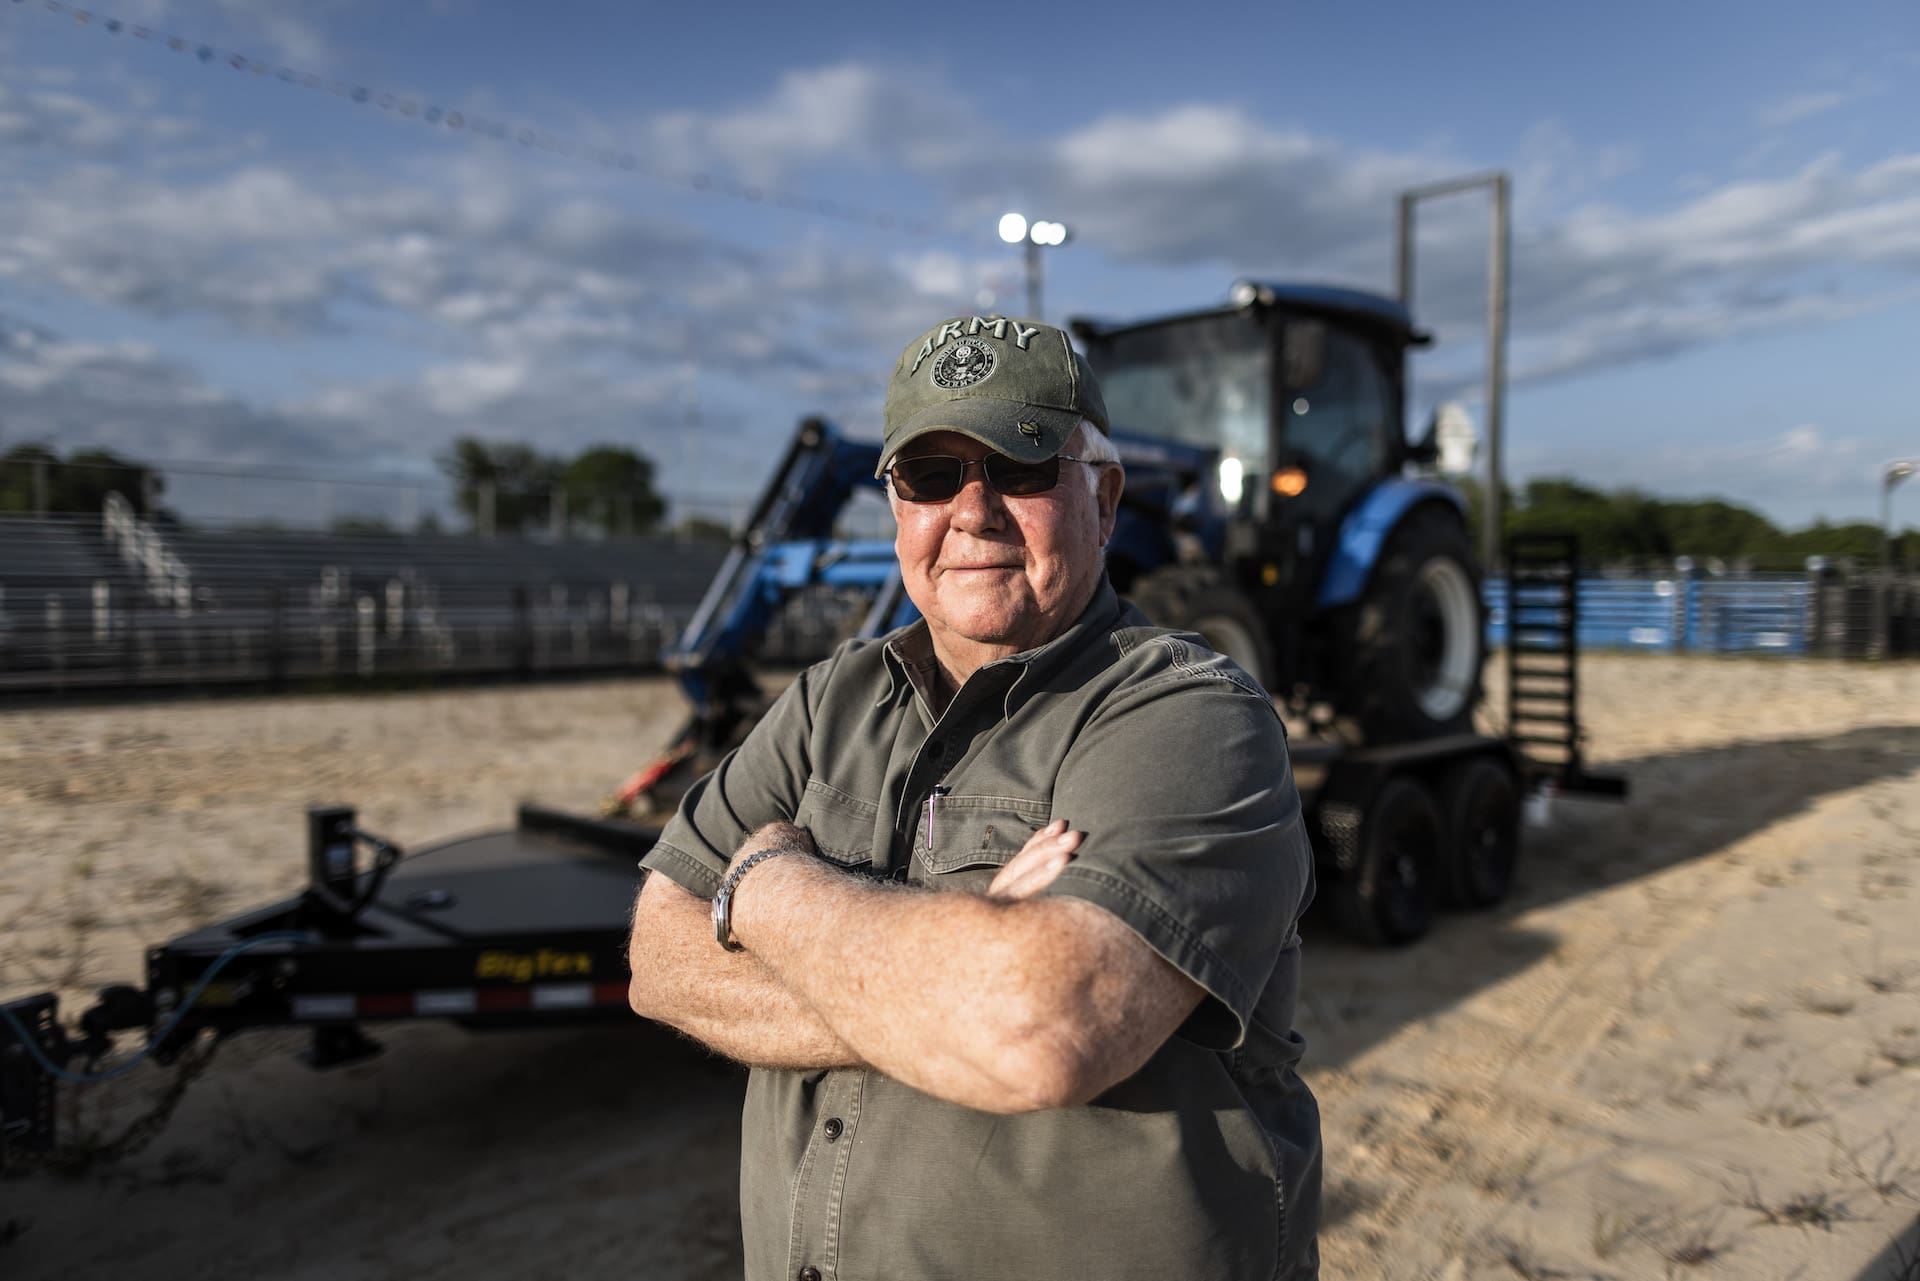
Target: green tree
32	475
521	480
1712	527
1609	526
607	487
1858	541
610	487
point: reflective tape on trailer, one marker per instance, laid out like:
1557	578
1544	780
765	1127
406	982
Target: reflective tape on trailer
335	1007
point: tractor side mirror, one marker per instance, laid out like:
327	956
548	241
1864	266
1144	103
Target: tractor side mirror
1303	354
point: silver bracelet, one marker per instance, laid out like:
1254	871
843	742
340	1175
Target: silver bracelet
723	901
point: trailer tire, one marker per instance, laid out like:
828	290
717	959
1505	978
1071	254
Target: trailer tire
1412	649
1482	800
1195	598
1389	897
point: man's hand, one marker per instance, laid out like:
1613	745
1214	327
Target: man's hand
1038	862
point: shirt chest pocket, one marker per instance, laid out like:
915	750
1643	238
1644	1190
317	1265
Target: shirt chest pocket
972	839
841	824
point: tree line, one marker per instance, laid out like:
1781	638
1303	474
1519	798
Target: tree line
510	487
34	479
610	489
507	487
1628	527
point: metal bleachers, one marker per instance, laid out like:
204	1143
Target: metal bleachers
87	602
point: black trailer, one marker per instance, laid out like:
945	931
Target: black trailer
519	928
528	927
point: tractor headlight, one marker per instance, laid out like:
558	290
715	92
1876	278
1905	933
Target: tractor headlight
1233	479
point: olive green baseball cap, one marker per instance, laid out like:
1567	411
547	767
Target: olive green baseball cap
1016	386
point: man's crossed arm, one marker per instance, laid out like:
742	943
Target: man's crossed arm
1004	1001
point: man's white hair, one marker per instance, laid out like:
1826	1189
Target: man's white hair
1088	442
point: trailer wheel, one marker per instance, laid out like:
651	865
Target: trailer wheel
1389	897
1415	643
1482	802
1195	598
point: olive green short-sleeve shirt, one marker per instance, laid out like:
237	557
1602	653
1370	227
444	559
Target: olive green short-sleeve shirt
1206	1163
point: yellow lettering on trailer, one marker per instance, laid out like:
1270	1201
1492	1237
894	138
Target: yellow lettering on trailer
525	967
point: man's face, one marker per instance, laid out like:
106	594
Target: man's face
995	575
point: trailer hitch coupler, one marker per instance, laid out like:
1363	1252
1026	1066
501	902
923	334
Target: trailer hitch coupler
330	851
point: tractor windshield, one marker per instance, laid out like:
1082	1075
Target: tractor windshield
1204	381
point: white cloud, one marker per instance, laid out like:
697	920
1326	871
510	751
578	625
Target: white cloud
813	116
1203	183
1847	86
463	389
543	296
1798	107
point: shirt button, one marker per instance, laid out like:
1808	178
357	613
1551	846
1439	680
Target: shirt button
809	1273
834	1128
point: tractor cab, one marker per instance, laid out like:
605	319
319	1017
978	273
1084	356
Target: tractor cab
1289	406
1296	392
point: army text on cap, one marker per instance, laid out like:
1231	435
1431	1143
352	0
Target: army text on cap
997	325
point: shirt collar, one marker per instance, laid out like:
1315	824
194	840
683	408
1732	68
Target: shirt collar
910	653
909	659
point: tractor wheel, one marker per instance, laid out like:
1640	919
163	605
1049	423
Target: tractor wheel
1482	800
1195	598
1414	645
1389	897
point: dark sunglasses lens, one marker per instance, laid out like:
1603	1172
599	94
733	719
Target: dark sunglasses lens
1017	479
927	480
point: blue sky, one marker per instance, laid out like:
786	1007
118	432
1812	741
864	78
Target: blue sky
1716	263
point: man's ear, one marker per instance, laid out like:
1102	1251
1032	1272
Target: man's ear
1107	488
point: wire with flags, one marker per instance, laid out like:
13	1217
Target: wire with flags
453	120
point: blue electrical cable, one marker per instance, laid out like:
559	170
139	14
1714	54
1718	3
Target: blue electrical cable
83	1078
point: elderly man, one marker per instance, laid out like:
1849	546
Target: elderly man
1002	909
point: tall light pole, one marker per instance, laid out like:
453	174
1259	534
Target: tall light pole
1499	259
1895	472
1016	230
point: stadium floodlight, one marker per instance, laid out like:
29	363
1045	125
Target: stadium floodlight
1032	236
1896	471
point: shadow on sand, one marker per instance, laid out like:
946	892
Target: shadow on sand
1684	805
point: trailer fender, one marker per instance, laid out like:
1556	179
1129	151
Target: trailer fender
1365	532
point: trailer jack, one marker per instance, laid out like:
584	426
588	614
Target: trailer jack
337	1045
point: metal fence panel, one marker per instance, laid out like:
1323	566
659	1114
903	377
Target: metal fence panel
1772	614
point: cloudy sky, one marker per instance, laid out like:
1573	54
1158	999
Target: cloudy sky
332	235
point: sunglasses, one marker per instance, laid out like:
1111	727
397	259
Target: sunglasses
935	478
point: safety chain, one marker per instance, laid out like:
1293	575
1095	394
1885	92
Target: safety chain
76	1158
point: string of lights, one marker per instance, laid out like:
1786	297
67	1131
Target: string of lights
453	121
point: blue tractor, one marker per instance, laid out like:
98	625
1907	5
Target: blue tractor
1268	507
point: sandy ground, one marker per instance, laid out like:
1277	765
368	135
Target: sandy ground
1689	1046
